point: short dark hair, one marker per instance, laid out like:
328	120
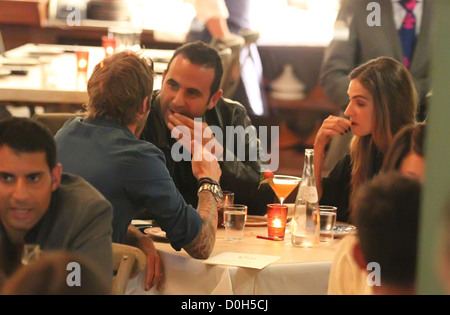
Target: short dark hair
118	87
26	135
387	219
204	55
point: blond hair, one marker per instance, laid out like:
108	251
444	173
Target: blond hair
118	87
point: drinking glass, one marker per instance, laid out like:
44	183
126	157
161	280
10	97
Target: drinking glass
283	185
126	38
327	222
227	199
234	217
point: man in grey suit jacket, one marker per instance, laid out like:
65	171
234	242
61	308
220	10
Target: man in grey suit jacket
41	206
356	42
366	42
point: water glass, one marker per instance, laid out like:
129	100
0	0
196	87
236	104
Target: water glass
227	199
234	217
276	220
126	38
327	222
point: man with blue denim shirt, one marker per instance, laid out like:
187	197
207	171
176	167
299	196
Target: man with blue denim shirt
105	150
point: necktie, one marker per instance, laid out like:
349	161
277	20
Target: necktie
408	31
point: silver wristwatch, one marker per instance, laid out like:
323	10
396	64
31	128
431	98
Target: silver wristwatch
214	189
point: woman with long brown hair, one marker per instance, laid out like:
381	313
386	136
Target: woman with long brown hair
383	99
406	156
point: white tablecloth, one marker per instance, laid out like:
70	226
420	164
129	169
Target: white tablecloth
298	271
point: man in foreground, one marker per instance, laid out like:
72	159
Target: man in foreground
387	219
40	205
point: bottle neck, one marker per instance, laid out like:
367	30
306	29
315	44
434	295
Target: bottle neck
308	171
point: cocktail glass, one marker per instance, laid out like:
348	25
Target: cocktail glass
283	185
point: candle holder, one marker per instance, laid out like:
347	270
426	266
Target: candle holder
82	60
109	44
276	220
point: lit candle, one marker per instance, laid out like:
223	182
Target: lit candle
276	223
82	60
276	220
109	44
82	63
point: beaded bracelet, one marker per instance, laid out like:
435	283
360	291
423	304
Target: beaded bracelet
209	180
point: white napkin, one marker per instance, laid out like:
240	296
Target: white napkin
254	261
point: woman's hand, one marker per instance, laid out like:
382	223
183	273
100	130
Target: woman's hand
331	127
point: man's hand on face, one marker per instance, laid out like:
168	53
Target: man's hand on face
189	129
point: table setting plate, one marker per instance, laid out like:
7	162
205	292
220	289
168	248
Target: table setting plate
342	229
142	225
256	220
19	61
45	51
156	234
4	72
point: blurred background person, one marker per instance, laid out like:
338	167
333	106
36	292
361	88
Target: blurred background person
365	42
227	20
356	42
387	221
219	19
406	155
374	117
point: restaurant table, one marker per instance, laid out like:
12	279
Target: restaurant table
299	271
52	76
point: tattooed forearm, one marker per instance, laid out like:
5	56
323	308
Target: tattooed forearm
202	246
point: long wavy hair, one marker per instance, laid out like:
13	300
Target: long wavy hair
410	139
395	105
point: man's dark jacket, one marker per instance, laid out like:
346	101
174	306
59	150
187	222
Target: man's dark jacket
241	177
